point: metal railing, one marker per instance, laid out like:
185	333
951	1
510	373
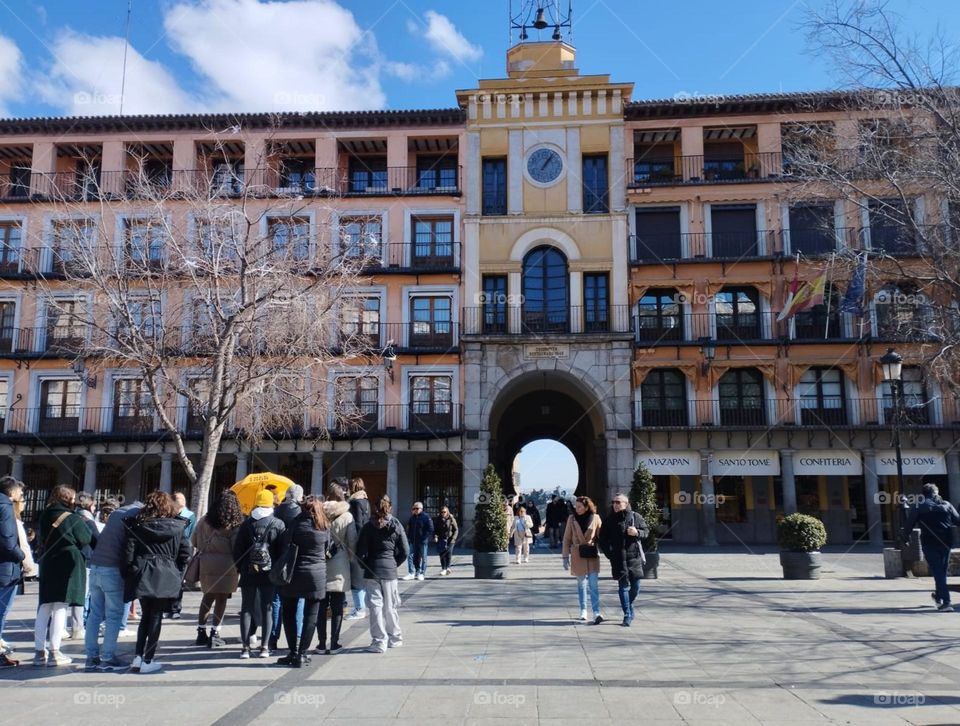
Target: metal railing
670	247
699	169
14	189
523	321
721	327
824	412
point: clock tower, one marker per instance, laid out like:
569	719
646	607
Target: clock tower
546	326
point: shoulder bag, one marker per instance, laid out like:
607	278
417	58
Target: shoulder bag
281	572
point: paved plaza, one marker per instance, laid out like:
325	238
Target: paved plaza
720	638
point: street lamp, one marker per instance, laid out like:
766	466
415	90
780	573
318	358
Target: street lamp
891	365
389	356
708	347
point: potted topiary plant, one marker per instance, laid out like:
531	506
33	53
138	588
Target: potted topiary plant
801	537
490	556
643	499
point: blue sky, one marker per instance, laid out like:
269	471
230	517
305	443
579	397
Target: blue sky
65	56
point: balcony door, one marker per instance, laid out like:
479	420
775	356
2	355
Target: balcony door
738	314
59	406
358	402
812	230
431	403
741	398
431	324
132	406
915	409
11	241
733	230
663	398
659	316
658	234
822	399
546	291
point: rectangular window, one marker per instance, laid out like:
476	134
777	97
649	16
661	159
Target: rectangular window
658	234
19	181
595	184
227	178
66	325
432	242
72	240
358	402
297	176
142	319
733	230
199	388
11	247
495	304
368	175
431	403
360	322
891	230
437	173
143	243
132	406
4	399
8	316
431	323
596	302
60	406
812	229
362	237
289	236
494	186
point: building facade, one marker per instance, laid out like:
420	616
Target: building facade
555	260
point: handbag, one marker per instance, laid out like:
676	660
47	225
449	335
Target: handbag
191	575
588	551
281	572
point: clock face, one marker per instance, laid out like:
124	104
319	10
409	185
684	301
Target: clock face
544	166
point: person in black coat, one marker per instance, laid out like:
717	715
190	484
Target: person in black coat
261	530
382	547
11	556
360	510
619	541
155	557
535	518
310	533
936	519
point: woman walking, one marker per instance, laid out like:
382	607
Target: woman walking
582	556
445	535
310	533
256	548
522	534
214	538
343	537
157	551
63	573
382	548
360	511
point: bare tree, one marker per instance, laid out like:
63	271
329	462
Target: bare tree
221	295
892	156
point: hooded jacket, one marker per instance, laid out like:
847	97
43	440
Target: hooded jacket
271	529
310	570
936	518
287	511
214	546
345	535
113	539
360	511
382	550
155	556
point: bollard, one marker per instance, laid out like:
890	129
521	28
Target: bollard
892	563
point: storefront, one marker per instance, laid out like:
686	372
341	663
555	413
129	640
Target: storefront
829	485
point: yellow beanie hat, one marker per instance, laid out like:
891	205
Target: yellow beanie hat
264	498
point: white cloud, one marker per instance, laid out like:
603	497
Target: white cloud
86	78
262	55
445	38
410	72
10	70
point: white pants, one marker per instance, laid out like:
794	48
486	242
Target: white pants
383	599
523	548
54	613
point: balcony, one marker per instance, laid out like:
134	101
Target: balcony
420	420
722	328
376	257
824	413
15	188
497	320
669	248
692	170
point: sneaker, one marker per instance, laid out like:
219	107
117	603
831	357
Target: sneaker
40	658
264	652
113	664
173	616
56	658
254	640
272	643
446	572
583	616
335	648
356	615
245	654
320	650
92	665
126	633
7	662
215	641
408	576
202	637
395	644
374	648
935	598
151	666
598	619
136	665
5	648
944	607
420	576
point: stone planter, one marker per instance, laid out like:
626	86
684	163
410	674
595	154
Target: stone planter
800	565
490	565
651	566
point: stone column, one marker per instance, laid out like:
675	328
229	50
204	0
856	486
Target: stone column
16	466
316	473
90	473
515	172
166	472
788	481
708	506
393	478
953	474
574	165
241	465
872	493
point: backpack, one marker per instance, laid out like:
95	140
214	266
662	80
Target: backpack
259	560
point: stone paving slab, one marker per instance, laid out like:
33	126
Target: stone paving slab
720	638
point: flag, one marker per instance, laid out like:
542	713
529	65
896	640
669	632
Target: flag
808	295
794	286
853	301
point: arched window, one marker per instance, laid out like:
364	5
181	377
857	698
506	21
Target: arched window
663	398
738	314
903	313
741	398
546	291
659	316
821	322
821	396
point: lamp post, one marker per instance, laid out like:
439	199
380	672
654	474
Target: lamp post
891	365
708	347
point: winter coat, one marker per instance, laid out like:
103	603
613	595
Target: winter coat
28	565
287	511
447	532
519	535
624	552
11	554
155	556
246	535
218	574
91	522
382	549
63	569
112	542
573	537
191	519
936	518
534	517
345	535
554	513
310	571
360	511
419	529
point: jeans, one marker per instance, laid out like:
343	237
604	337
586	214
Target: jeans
106	606
278	618
256	600
628	587
151	621
359	599
126	616
417	559
383	599
591	581
938	558
7	594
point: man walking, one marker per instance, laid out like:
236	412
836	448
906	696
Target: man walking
554	517
620	537
534	515
11	557
419	534
935	517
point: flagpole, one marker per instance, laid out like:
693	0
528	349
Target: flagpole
826	325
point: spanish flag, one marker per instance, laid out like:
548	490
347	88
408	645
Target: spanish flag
803	297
